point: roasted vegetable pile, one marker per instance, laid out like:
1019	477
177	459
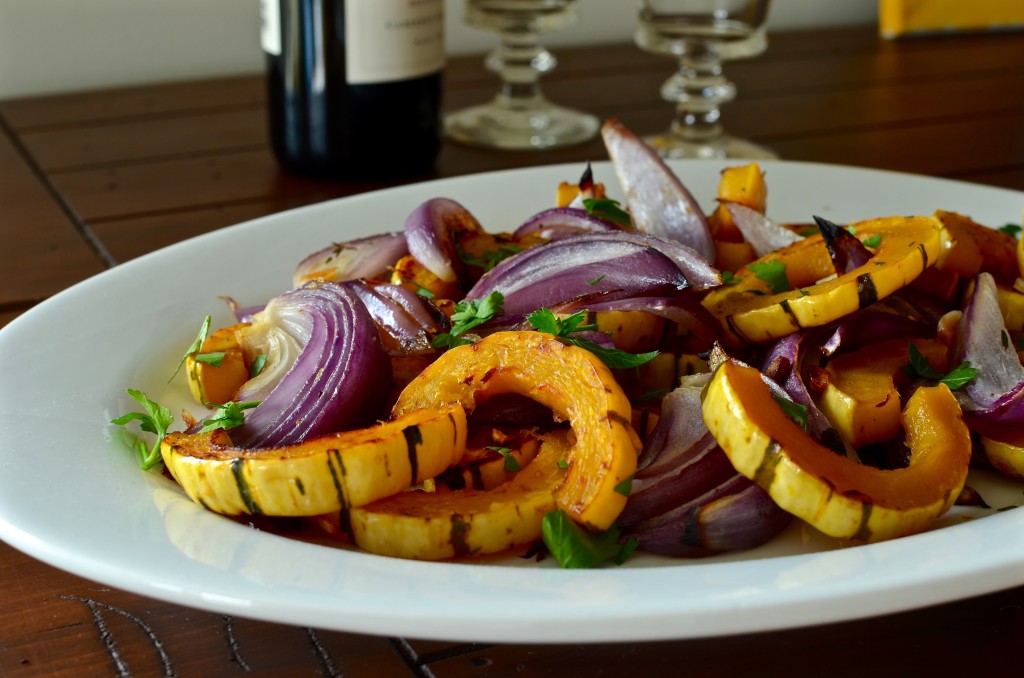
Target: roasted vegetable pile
613	375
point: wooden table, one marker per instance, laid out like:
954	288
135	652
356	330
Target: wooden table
91	180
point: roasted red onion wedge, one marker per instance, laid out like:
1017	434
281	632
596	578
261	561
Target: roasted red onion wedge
618	264
326	369
431	233
684	310
800	351
847	252
875	323
997	393
658	202
735	516
763	234
407	321
686	499
559	222
363	258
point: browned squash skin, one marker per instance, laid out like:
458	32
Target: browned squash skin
468	522
862	398
751	312
573	383
831	492
320	475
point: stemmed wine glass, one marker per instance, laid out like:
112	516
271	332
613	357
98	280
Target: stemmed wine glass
702	34
520	117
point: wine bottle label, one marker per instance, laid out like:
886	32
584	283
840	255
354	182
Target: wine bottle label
270	21
388	40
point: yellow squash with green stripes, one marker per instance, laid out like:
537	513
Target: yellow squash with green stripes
753	313
325	474
831	492
459	523
1002	446
573	383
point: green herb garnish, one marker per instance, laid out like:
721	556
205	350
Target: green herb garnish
156	419
625	487
544	320
729	278
920	368
1012	230
511	463
873	241
491	258
773	273
469	314
595	280
607	209
795	411
574	547
258	363
196	345
227	415
214	358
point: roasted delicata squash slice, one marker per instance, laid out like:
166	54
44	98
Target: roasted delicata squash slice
458	523
969	247
570	381
861	398
217	383
1003	446
754	313
832	493
486	467
317	476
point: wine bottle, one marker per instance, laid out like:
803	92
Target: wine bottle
354	86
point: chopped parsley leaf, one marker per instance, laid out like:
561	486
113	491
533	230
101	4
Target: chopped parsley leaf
575	547
873	241
773	273
920	368
227	415
156	419
469	314
607	209
196	345
544	320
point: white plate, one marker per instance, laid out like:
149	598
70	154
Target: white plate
71	496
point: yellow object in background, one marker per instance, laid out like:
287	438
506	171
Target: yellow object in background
902	17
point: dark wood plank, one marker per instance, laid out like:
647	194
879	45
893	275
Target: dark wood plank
7	316
42	252
148	139
162	100
188	183
57	624
129	238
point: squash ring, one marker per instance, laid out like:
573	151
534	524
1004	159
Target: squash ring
830	492
750	312
573	383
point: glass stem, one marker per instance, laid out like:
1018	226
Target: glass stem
520	60
698	89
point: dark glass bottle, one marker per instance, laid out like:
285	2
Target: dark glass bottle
354	86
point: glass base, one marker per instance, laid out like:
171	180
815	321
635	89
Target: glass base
545	126
675	147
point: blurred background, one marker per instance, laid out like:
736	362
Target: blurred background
49	46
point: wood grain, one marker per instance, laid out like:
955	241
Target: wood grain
43	251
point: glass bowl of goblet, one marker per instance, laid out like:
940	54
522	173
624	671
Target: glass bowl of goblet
520	117
701	35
